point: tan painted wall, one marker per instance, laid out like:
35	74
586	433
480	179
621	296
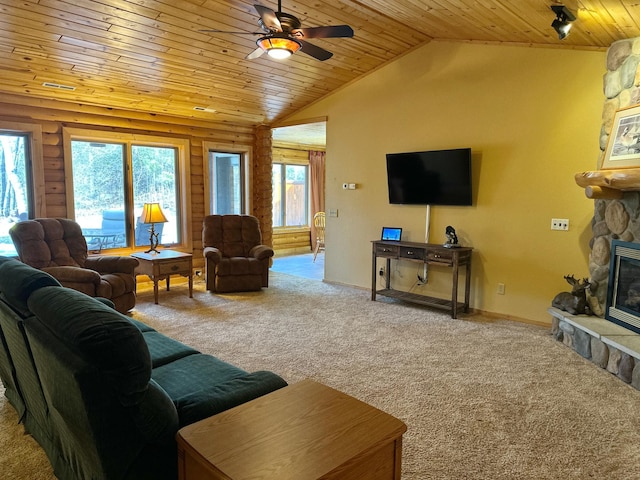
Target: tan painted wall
532	117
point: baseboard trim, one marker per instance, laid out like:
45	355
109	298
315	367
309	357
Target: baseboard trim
512	318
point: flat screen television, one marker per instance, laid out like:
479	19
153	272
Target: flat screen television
436	177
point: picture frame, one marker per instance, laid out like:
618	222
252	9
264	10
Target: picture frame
623	146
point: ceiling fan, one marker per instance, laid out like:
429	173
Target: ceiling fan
283	35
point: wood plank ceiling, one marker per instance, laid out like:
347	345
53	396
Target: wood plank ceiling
152	57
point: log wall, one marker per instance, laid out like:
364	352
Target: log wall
53	120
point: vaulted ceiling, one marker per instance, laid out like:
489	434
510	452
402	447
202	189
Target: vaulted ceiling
152	56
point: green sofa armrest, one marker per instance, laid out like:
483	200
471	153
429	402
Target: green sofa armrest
155	416
18	280
112	264
73	274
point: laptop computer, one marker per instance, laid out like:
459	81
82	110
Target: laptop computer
391	233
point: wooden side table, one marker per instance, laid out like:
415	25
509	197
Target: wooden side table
306	431
158	266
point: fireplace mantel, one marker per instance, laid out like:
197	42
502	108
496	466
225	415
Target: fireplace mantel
609	184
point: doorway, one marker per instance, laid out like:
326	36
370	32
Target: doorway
298	148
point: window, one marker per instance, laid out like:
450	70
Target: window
20	178
226	179
290	195
114	176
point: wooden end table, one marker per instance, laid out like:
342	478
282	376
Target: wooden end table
161	265
306	431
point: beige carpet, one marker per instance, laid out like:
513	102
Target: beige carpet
482	400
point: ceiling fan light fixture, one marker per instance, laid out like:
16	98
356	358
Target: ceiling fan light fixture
279	46
562	23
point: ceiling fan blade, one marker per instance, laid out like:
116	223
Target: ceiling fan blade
255	54
269	18
315	51
333	31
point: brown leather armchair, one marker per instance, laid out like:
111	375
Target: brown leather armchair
235	259
57	246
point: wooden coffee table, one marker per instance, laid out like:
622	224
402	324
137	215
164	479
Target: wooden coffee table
305	431
161	265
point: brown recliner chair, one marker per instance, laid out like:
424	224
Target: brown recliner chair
56	246
235	259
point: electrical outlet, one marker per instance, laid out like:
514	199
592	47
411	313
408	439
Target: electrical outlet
345	186
560	224
500	289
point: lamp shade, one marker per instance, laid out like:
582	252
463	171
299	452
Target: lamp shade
278	45
152	213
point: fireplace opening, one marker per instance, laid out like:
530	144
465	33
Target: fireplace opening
623	293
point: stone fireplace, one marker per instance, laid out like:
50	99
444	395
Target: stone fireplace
613	345
623	297
617	219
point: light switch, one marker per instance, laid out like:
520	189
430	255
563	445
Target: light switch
333	212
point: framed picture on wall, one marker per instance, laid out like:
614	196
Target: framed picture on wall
623	147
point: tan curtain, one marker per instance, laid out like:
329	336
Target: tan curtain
316	181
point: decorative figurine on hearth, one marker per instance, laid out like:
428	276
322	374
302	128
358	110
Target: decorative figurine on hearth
574	302
452	238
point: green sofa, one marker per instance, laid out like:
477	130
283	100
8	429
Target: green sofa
102	393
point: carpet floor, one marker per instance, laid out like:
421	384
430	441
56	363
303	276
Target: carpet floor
481	399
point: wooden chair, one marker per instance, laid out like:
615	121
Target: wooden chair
318	223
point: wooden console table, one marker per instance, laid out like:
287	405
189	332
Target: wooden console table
431	254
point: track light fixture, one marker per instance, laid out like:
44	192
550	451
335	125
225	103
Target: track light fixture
562	23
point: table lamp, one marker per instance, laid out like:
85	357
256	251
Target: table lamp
152	214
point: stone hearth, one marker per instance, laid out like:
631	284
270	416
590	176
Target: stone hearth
606	344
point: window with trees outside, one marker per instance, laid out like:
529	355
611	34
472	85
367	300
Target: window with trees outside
20	166
226	181
112	180
290	185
